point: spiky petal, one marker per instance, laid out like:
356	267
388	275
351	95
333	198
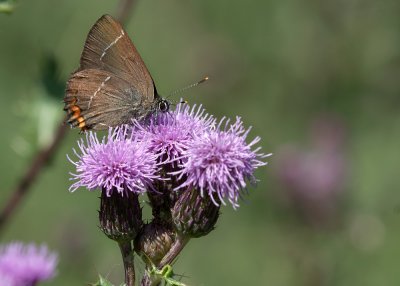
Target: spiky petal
118	162
220	163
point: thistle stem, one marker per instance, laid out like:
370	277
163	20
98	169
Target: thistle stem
127	257
150	281
176	248
180	243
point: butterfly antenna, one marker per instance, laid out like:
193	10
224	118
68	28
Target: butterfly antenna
187	87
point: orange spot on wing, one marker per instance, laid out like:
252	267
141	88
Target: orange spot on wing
75	115
75	108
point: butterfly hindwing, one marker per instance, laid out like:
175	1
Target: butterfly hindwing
97	99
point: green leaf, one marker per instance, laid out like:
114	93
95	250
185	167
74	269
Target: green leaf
103	282
166	274
7	7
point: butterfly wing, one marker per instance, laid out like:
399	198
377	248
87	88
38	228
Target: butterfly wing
109	48
97	99
100	102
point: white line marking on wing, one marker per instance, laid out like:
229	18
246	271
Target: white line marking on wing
112	44
97	90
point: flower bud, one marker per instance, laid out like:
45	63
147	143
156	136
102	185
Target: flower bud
194	215
120	215
154	242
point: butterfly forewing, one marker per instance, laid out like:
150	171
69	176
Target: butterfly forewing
109	48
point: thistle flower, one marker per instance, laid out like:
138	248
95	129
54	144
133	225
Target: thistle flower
120	162
193	165
220	162
170	134
22	265
6	280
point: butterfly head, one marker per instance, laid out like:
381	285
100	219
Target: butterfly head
163	105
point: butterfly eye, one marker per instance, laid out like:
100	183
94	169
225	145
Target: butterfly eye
163	106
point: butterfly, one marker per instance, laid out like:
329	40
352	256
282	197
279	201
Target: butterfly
112	84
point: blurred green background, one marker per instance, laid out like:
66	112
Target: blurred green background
281	66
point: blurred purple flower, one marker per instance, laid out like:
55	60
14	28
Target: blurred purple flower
220	162
24	265
120	162
6	280
314	177
170	134
314	174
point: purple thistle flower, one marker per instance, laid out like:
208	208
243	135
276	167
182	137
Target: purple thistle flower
170	134
120	162
220	162
22	265
6	280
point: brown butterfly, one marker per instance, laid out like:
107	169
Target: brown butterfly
112	84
